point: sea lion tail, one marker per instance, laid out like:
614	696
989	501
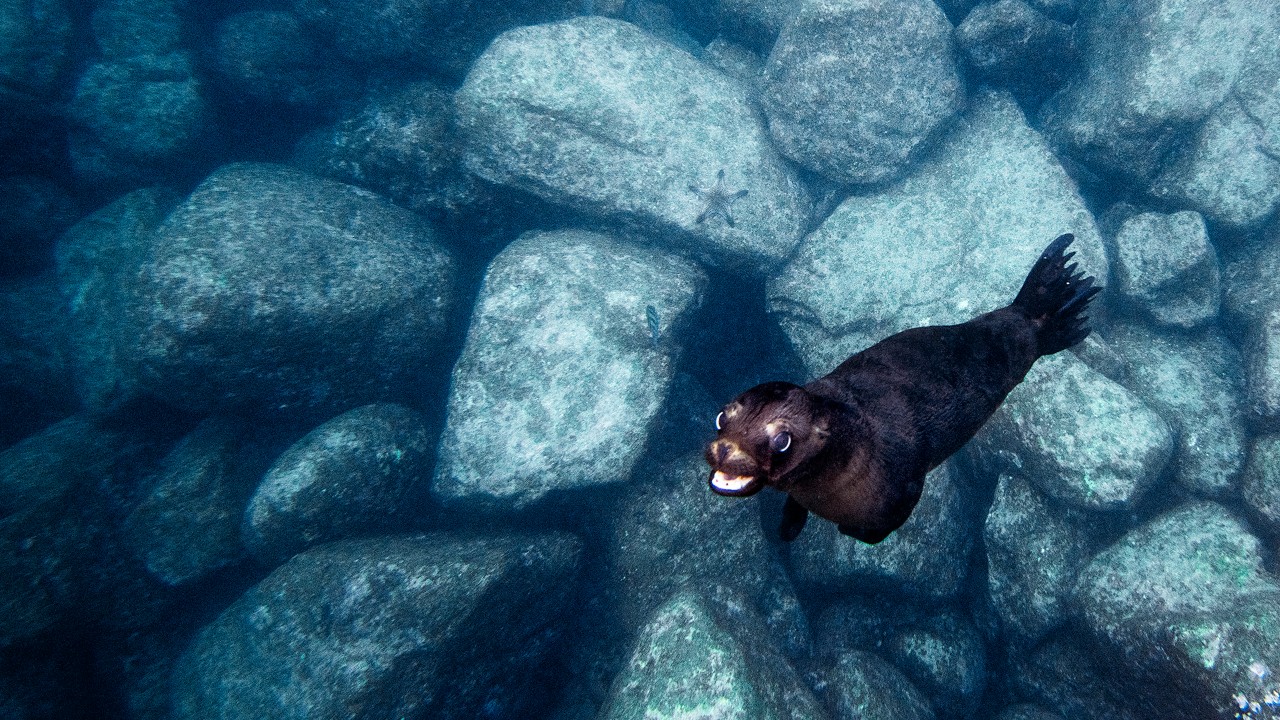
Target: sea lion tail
1054	295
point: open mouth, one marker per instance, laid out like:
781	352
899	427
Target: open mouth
736	485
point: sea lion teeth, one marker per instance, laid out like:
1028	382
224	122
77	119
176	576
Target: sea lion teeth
730	483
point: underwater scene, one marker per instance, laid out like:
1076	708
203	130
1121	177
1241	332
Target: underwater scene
613	359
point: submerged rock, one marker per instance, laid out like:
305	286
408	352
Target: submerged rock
563	371
855	89
37	36
953	240
1144	91
137	118
1166	266
435	34
673	533
414	626
1195	384
1261	486
275	291
36	387
1035	551
97	262
865	687
33	212
597	115
697	658
402	145
353	474
266	55
927	557
187	524
1184	602
1262	367
1083	439
1013	45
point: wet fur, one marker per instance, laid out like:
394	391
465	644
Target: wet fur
865	435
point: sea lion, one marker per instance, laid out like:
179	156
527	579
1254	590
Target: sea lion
854	446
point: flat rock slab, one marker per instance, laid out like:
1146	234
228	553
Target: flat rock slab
597	115
273	290
953	240
413	626
569	357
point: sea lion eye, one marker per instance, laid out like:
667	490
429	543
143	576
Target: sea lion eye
781	442
719	418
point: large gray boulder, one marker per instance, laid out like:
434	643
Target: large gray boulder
35	40
1261	486
352	474
1231	170
1013	45
672	533
1166	267
97	261
442	36
187	524
572	348
135	118
953	240
866	687
1147	89
1035	550
855	89
1195	384
928	557
1184	601
402	145
272	290
1082	439
1262	367
597	115
696	658
414	626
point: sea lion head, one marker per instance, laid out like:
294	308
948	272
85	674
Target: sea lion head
764	434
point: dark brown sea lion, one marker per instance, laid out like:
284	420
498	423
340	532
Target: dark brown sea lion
854	446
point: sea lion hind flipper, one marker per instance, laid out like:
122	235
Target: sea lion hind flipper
794	516
870	536
1054	295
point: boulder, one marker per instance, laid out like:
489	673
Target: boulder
672	533
856	89
1194	382
1012	44
928	557
953	240
1261	486
437	35
1081	438
187	524
275	291
410	626
596	115
97	262
1035	551
267	56
1145	91
1166	266
866	687
1184	601
353	474
571	351
697	658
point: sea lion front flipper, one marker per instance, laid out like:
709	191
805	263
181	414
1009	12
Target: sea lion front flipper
794	516
868	536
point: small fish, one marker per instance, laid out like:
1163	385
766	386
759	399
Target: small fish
651	315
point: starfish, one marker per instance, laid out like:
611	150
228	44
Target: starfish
718	198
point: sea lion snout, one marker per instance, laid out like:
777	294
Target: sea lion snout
733	471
